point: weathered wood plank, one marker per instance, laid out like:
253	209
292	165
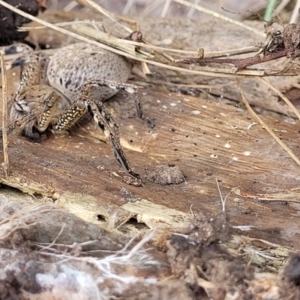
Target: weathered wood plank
206	139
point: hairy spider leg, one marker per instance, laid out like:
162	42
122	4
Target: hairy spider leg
128	88
100	115
34	108
36	104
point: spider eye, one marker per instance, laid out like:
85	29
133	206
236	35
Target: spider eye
277	33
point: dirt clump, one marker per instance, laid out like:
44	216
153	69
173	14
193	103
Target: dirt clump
164	174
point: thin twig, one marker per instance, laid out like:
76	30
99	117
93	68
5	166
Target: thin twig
179	85
166	8
56	238
267	128
207	72
60	24
5	163
96	7
223	201
280	7
295	14
225	53
239	63
216	15
70	6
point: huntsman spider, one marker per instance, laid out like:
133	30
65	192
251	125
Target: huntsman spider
55	93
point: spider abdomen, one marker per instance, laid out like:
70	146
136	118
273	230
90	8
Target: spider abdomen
76	64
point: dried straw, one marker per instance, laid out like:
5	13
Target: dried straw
5	163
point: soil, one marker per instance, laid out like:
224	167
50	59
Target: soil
10	21
170	174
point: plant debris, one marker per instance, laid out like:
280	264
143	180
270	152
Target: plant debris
278	44
194	256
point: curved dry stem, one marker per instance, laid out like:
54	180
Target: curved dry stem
268	129
206	71
96	7
148	46
285	99
21	218
5	163
219	16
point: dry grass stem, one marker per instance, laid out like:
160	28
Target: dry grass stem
295	14
291	195
280	7
223	200
96	7
217	15
61	24
70	6
145	45
21	218
78	28
182	85
165	8
204	71
225	72
151	5
137	256
54	241
231	52
5	163
108	39
285	99
268	129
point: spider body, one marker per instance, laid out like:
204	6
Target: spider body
76	64
57	92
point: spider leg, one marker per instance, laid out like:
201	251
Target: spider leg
21	121
70	116
32	109
110	125
33	69
15	48
104	119
77	110
101	116
97	114
129	88
33	64
34	103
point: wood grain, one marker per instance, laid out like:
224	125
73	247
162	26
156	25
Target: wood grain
206	139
